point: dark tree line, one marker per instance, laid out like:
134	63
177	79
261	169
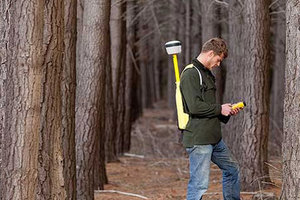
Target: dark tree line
75	75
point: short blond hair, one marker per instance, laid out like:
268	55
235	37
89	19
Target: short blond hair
217	45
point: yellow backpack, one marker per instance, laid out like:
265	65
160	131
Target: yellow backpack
183	118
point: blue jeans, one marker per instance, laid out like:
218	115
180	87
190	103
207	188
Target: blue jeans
200	157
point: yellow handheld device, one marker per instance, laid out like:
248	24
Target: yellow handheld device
239	105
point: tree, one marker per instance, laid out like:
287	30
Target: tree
129	72
144	31
277	87
68	89
37	143
196	29
90	91
57	131
248	80
172	34
21	76
118	56
210	22
291	135
110	115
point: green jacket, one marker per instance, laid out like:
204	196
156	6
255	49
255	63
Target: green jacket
200	102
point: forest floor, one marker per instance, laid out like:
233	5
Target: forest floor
161	170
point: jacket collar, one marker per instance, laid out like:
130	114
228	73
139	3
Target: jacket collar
201	67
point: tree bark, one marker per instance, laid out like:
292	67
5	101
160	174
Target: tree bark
117	45
196	29
89	92
133	106
210	29
38	119
68	89
118	53
58	106
21	75
110	116
209	20
121	110
50	152
80	5
291	142
100	177
277	88
144	57
131	37
250	84
173	33
188	19
156	68
258	59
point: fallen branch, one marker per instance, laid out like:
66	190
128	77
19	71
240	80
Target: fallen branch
218	193
158	163
133	155
119	192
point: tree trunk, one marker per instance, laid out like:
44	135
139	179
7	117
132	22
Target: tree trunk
250	84
110	116
118	52
209	21
234	89
224	33
132	85
210	28
130	13
38	150
68	98
80	4
144	58
89	92
117	45
21	74
3	69
277	88
121	110
188	18
196	29
173	33
257	35
50	151
156	68
100	177
136	103
291	142
115	68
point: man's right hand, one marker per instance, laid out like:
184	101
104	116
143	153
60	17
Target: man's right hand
226	109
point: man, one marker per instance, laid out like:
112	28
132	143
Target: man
202	137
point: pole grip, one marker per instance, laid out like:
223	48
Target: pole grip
176	68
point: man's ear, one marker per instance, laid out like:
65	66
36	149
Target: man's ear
211	53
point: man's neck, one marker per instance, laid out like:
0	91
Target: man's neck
201	58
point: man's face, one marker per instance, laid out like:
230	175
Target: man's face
215	60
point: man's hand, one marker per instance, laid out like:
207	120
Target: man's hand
235	111
226	109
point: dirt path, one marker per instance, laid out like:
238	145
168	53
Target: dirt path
163	172
160	179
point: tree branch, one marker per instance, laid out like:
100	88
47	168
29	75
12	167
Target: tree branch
119	192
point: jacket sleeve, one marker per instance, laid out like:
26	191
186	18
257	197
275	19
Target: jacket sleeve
191	91
224	118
